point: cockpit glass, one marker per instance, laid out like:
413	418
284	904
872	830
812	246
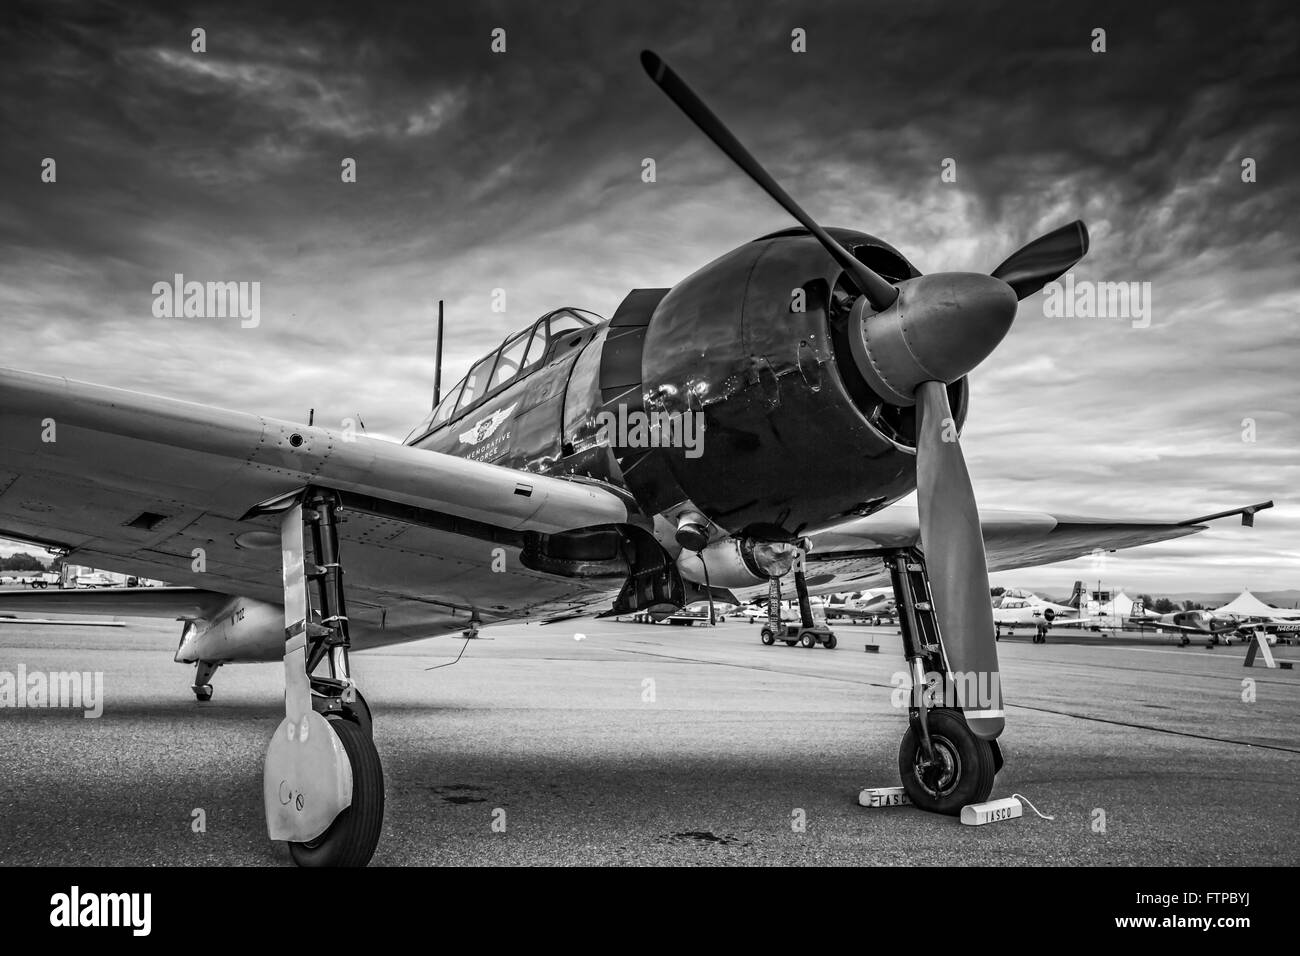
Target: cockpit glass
565	322
511	361
476	382
536	345
447	404
519	354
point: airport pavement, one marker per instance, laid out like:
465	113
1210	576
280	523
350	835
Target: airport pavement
644	744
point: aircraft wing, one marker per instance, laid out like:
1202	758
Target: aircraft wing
1142	622
1079	621
170	490
179	603
848	553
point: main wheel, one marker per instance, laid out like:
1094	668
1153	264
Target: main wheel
831	642
963	771
351	839
808	640
767	636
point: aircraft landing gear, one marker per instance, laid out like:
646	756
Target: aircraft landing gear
961	769
323	784
327	700
943	763
203	672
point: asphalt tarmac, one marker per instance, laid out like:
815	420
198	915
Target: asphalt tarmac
616	743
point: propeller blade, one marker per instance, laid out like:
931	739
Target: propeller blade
1048	257
954	554
879	292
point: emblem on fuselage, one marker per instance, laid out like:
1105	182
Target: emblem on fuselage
484	429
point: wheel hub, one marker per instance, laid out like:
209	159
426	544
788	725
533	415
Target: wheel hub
940	776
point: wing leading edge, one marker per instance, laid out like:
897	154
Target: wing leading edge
132	482
1012	539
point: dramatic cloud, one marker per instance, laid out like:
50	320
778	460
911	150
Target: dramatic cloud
521	171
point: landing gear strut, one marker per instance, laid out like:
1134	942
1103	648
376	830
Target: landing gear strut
203	672
323	785
944	765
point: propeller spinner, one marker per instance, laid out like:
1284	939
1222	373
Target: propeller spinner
911	340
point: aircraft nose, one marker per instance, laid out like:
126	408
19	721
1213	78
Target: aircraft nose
940	327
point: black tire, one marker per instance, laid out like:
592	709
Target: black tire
351	839
767	637
203	693
808	641
968	765
831	642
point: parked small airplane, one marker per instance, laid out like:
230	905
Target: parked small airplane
1071	603
1186	623
1015	608
1250	614
561	476
872	604
96	579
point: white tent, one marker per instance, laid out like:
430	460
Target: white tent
1246	604
1119	607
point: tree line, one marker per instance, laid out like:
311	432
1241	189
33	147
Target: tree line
22	561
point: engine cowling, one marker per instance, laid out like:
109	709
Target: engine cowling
758	347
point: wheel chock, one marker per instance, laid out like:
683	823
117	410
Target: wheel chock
883	797
978	814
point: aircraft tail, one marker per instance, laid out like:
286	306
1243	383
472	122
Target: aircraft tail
1076	596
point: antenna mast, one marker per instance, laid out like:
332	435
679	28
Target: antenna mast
437	373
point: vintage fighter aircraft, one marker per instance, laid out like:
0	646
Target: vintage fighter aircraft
516	499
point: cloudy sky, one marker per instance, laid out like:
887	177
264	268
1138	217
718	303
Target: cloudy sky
521	171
